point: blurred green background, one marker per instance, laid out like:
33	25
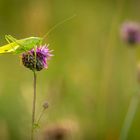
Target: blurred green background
91	78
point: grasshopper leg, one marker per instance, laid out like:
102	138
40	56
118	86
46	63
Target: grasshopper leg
14	40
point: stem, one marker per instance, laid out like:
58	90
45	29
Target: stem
40	116
33	109
129	117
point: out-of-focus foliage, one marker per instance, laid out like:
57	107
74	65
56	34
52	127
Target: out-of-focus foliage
90	80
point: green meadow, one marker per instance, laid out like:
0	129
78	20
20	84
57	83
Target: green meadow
90	80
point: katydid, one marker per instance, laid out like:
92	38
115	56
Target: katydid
17	46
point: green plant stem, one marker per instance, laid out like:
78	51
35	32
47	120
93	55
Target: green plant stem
40	116
129	117
34	105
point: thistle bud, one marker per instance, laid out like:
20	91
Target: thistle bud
45	105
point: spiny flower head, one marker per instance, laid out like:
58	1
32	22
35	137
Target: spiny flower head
37	59
130	32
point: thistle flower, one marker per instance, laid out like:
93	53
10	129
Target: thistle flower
37	59
130	33
64	130
56	132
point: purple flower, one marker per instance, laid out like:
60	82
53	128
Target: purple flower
38	60
130	32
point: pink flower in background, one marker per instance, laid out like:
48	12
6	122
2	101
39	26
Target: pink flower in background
130	32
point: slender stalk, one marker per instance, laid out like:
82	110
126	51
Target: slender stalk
40	116
34	105
129	117
134	102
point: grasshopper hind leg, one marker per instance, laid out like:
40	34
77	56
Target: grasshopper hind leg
10	39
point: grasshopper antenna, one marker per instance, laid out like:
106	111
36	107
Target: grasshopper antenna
58	24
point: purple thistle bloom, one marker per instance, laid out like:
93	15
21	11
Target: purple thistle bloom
37	61
130	32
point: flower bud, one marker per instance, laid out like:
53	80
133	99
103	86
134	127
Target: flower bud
45	105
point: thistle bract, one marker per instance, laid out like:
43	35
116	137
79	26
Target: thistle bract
36	59
130	32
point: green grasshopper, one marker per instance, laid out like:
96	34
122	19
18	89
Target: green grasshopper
16	46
